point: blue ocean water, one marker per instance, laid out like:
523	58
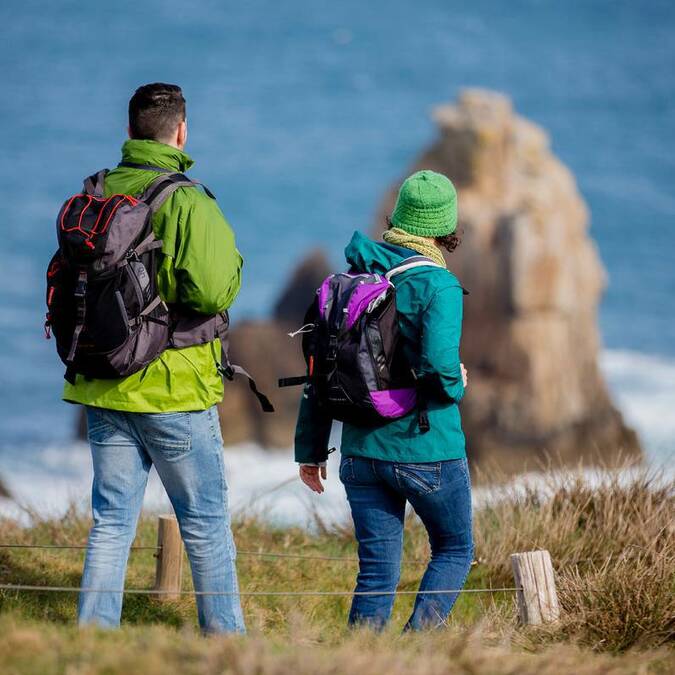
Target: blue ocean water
302	113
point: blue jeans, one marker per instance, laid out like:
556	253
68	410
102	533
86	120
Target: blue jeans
440	494
187	451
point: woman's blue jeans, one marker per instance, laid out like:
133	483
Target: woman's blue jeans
187	451
440	494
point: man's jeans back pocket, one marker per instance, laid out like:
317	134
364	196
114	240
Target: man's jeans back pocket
168	433
99	428
420	479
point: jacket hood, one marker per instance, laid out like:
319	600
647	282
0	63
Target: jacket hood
366	255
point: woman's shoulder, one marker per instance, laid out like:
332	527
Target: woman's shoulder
439	279
424	285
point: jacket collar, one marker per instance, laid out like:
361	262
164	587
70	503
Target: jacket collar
156	154
366	255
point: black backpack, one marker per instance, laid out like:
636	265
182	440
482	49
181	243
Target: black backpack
353	350
103	305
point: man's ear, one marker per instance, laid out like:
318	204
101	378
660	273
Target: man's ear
181	134
129	131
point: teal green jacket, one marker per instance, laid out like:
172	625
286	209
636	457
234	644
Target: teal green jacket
200	268
429	302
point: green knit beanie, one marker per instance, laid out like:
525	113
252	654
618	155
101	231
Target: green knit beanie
426	205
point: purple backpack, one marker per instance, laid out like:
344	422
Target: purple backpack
353	349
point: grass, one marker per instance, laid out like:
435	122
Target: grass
613	545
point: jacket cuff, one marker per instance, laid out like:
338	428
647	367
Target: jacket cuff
312	432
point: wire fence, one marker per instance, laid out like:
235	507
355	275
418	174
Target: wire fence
534	577
152	591
262	554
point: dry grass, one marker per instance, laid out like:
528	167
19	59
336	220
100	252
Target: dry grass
625	602
613	545
612	541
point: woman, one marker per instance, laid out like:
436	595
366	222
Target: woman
385	467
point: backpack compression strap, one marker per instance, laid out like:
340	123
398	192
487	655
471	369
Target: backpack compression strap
80	316
229	371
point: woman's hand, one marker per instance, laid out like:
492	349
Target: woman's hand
465	375
311	476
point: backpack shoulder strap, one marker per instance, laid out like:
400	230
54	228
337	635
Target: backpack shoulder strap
164	186
410	263
160	169
93	185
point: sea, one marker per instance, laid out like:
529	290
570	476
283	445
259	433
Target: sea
301	114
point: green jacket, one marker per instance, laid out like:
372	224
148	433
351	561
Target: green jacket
200	269
429	302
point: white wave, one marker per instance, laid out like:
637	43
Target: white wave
260	482
643	386
47	481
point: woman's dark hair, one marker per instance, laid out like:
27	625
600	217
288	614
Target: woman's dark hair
449	242
155	110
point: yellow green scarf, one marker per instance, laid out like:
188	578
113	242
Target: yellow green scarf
421	245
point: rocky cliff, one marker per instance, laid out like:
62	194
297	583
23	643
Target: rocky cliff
530	338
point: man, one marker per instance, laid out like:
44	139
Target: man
165	414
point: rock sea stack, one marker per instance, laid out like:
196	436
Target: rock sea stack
530	337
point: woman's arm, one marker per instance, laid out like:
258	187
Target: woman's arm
440	366
312	433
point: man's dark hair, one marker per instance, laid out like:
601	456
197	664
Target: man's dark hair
155	110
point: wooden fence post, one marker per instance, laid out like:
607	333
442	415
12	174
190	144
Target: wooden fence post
169	572
537	597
